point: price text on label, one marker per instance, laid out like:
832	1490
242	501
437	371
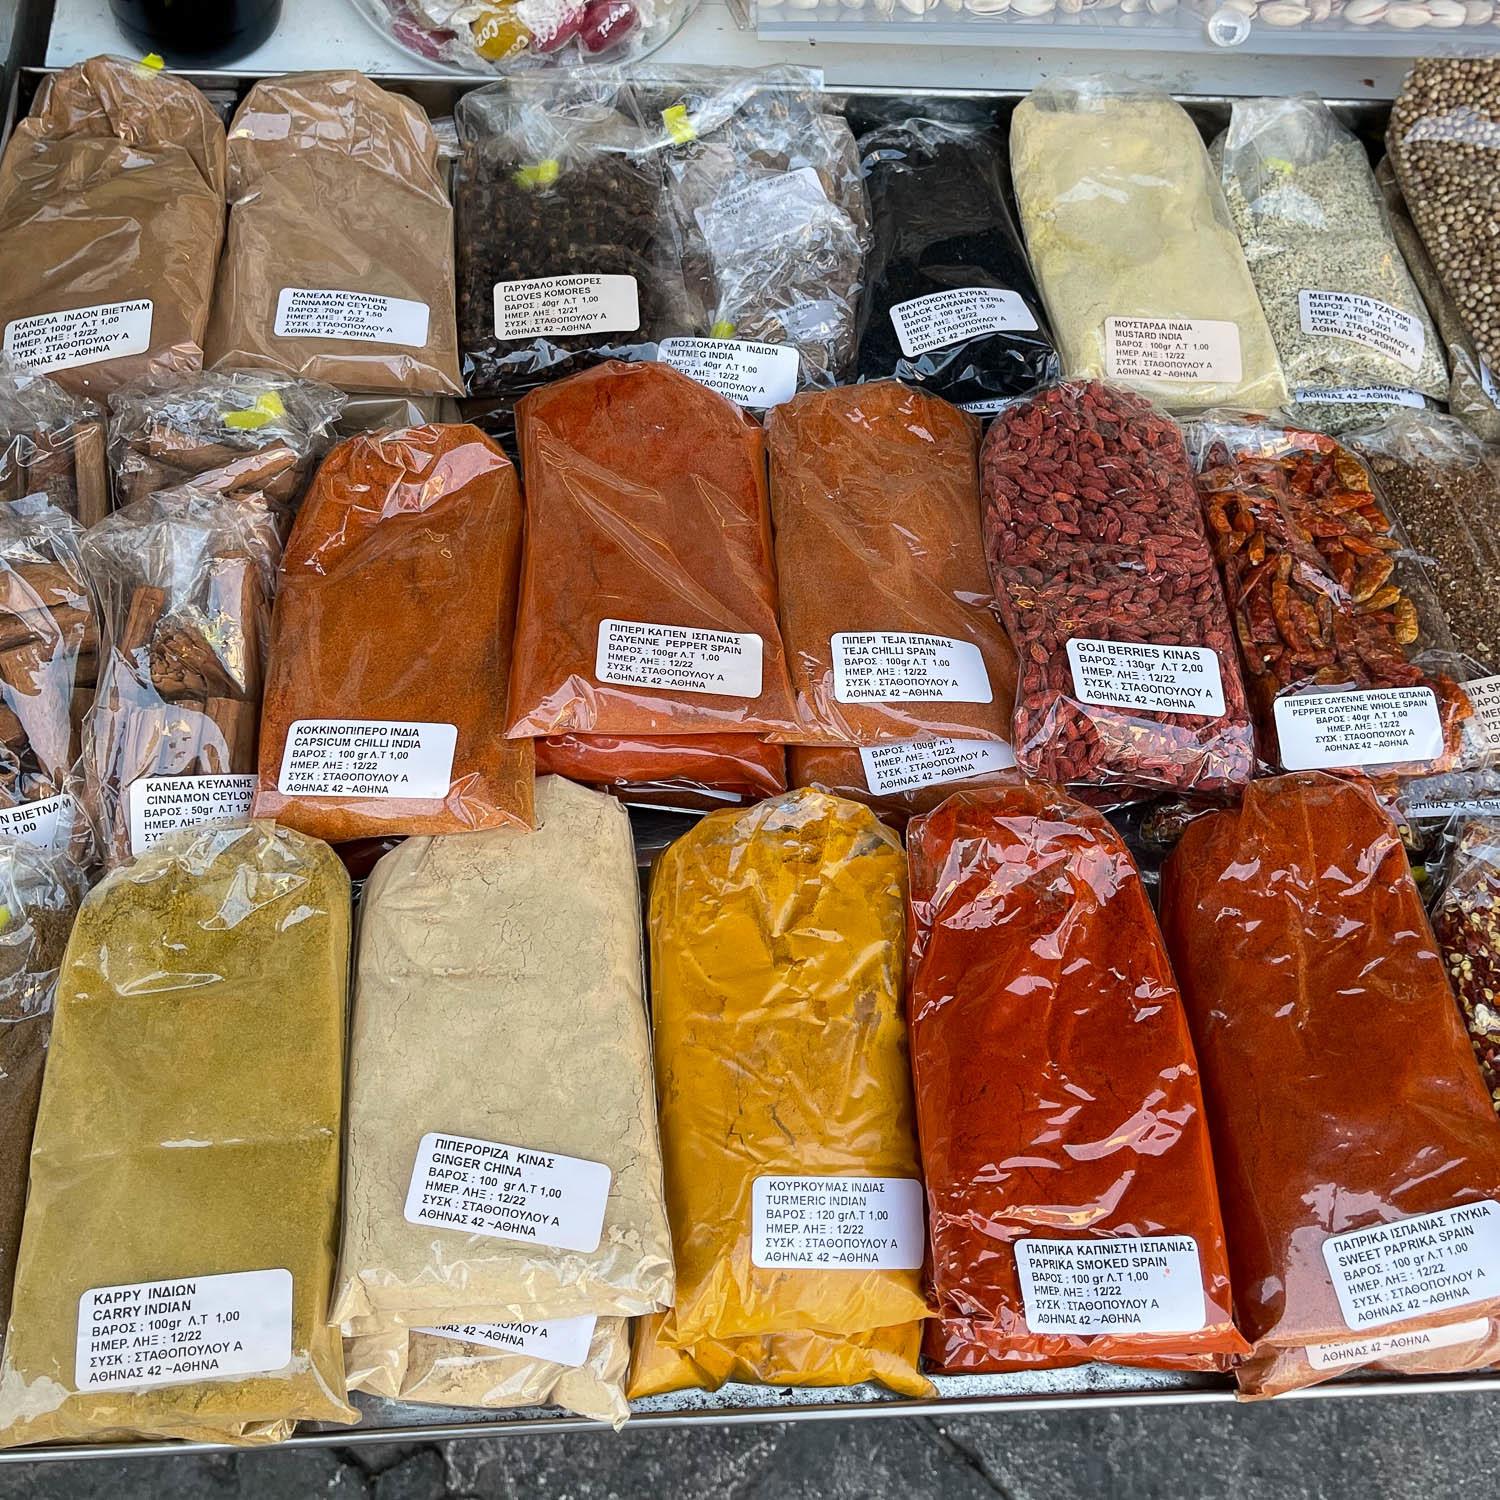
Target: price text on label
367	758
1201	349
1160	679
160	805
80	336
1358	727
942	318
633	653
557	306
911	764
302	312
881	666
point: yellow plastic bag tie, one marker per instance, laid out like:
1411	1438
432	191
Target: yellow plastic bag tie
723	329
539	174
155	61
679	126
267	408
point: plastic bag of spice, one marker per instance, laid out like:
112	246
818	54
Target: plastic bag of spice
338	265
901	780
696	771
201	1000
1347	657
890	628
1037	974
533	1062
567	250
1358	1155
950	302
1106	582
51	443
374	722
648	594
1135	252
111	218
782	1072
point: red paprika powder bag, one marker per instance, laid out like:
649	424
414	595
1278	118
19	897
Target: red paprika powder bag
390	644
703	770
1358	1153
1070	1188
901	780
648	596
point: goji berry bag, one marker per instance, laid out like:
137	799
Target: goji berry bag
1062	1126
1359	1158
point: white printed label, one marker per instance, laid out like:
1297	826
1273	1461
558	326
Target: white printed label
1358	727
1159	679
1487	383
632	653
183	1330
80	336
1453	807
890	666
1358	395
760	375
48	823
761	211
985	408
1400	1270
1484	694
966	312
560	306
1364	320
160	805
916	763
367	758
1153	1284
1372	1351
836	1223
562	1341
305	314
508	1192
1172	349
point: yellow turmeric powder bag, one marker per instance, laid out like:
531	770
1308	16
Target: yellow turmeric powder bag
777	948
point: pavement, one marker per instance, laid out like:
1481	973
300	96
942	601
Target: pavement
1357	1449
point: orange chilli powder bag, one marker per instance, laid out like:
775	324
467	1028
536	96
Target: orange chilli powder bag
699	770
390	644
1070	1188
900	781
648	595
1357	1149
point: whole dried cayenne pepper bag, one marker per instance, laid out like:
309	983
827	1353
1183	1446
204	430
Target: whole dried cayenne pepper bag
1072	1209
1358	1155
1106	582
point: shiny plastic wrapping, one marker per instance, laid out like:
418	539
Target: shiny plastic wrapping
1340	1086
51	443
899	782
777	938
1466	922
648	594
1127	227
538	1042
185	581
193	1084
338	264
1106	582
890	628
950	301
399	528
700	770
1057	1094
111	212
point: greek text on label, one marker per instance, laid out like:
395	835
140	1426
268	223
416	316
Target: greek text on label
80	335
1202	349
885	666
836	1223
1364	320
1158	679
1150	1284
950	317
684	658
559	306
302	312
1358	727
909	764
160	805
368	758
759	375
562	1341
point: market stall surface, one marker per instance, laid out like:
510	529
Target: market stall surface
1322	1450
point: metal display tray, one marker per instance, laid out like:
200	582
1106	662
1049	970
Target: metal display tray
1081	1388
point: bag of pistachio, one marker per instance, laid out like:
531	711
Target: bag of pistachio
178	1246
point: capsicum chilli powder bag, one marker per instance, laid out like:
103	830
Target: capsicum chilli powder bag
1062	1125
376	721
648	593
1358	1154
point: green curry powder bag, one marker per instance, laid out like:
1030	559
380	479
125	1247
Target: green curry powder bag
179	1240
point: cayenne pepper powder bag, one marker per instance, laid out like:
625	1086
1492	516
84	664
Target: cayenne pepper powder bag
1359	1159
648	595
889	624
701	771
1063	1134
374	721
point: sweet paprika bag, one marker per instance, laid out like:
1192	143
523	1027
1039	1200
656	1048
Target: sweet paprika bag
692	771
375	722
1062	1126
648	593
1358	1153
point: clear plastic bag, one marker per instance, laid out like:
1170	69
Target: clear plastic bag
338	264
1340	1087
52	444
692	771
375	721
1106	582
1037	974
185	581
899	781
950	301
648	593
1131	241
201	1000
546	1005
111	218
889	624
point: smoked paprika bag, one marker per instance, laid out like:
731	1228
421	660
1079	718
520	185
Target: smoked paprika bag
376	721
648	594
1070	1185
1358	1154
699	771
890	628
